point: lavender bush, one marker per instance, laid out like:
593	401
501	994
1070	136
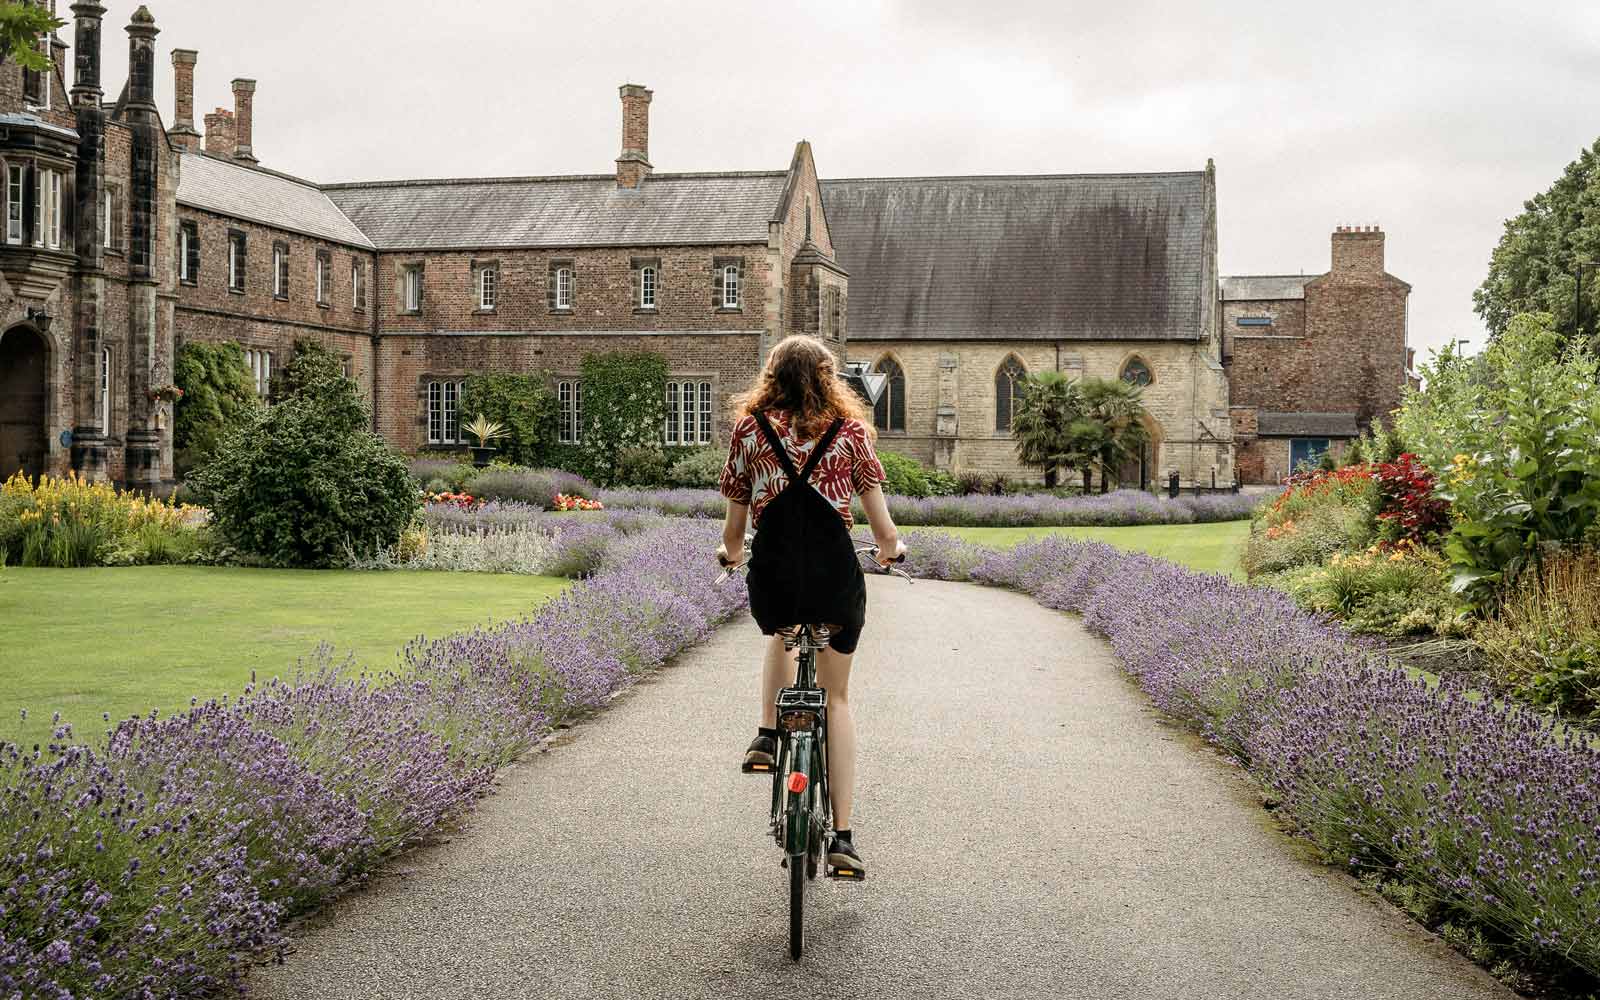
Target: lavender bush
1122	508
530	486
1485	809
165	860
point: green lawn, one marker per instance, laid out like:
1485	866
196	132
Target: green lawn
126	640
1211	548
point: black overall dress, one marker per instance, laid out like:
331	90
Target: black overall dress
803	564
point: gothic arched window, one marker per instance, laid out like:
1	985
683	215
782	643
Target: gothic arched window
1007	391
889	413
1136	372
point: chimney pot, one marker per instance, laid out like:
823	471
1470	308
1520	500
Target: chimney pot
633	166
244	92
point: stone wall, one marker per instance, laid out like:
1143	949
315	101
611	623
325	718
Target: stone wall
1186	402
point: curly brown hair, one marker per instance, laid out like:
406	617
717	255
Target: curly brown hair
801	379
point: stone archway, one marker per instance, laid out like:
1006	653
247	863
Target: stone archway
1142	472
24	401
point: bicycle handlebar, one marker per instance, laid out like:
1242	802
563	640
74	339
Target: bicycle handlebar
730	569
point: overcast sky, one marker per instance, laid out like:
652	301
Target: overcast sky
1434	120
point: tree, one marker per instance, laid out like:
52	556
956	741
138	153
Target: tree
1042	423
21	26
1533	267
306	482
1115	409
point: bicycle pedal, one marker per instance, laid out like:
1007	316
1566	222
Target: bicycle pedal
847	874
749	768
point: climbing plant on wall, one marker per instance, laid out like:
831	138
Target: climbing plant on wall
527	408
218	395
624	407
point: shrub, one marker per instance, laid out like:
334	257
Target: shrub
700	469
218	396
640	466
1307	540
523	405
1512	432
1389	592
1408	511
1544	639
531	486
307	482
904	476
451	474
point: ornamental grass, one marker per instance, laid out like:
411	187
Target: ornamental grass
164	859
1488	811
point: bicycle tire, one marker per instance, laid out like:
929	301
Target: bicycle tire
797	909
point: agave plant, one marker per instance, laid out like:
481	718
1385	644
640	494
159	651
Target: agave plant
484	429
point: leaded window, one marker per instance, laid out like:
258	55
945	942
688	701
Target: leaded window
688	413
569	395
488	287
189	253
444	412
889	413
14	188
1007	391
1136	372
730	286
647	287
563	288
47	209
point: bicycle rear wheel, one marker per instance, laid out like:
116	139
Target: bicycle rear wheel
797	908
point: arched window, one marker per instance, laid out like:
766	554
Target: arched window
1136	372
889	413
1007	390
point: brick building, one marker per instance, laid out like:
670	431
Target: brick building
126	238
1313	360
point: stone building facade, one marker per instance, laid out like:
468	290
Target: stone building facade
1314	360
127	237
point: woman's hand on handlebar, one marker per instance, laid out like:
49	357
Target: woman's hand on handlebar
887	555
724	560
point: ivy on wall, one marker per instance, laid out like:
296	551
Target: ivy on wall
526	407
624	407
218	395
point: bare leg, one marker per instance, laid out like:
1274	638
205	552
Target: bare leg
777	672
833	673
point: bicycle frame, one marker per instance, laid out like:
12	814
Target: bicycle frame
800	820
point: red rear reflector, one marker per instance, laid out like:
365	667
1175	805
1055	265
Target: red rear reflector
797	782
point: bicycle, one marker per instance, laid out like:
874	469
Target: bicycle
800	804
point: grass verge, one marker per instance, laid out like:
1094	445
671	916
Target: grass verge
1208	548
125	640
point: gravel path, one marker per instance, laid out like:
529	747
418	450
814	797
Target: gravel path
1032	828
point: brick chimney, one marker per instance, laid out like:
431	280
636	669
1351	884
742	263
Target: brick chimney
219	133
182	132
633	166
244	95
1358	250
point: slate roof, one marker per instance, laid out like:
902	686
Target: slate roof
667	209
1264	287
1085	257
1328	425
263	196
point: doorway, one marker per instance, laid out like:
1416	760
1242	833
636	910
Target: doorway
23	362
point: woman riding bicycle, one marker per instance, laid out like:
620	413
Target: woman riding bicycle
799	404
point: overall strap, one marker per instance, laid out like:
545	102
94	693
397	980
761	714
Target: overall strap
820	449
777	446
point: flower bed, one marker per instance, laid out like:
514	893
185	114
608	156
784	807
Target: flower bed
1480	808
165	859
71	522
1122	508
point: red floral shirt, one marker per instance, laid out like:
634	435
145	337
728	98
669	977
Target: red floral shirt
754	476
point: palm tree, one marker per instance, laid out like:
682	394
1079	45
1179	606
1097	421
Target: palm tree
1042	422
1117	408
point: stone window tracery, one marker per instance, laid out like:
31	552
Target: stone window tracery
1007	391
1136	372
889	413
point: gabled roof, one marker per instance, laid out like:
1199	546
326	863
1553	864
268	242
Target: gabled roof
1087	257
589	210
263	196
1264	287
1329	425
